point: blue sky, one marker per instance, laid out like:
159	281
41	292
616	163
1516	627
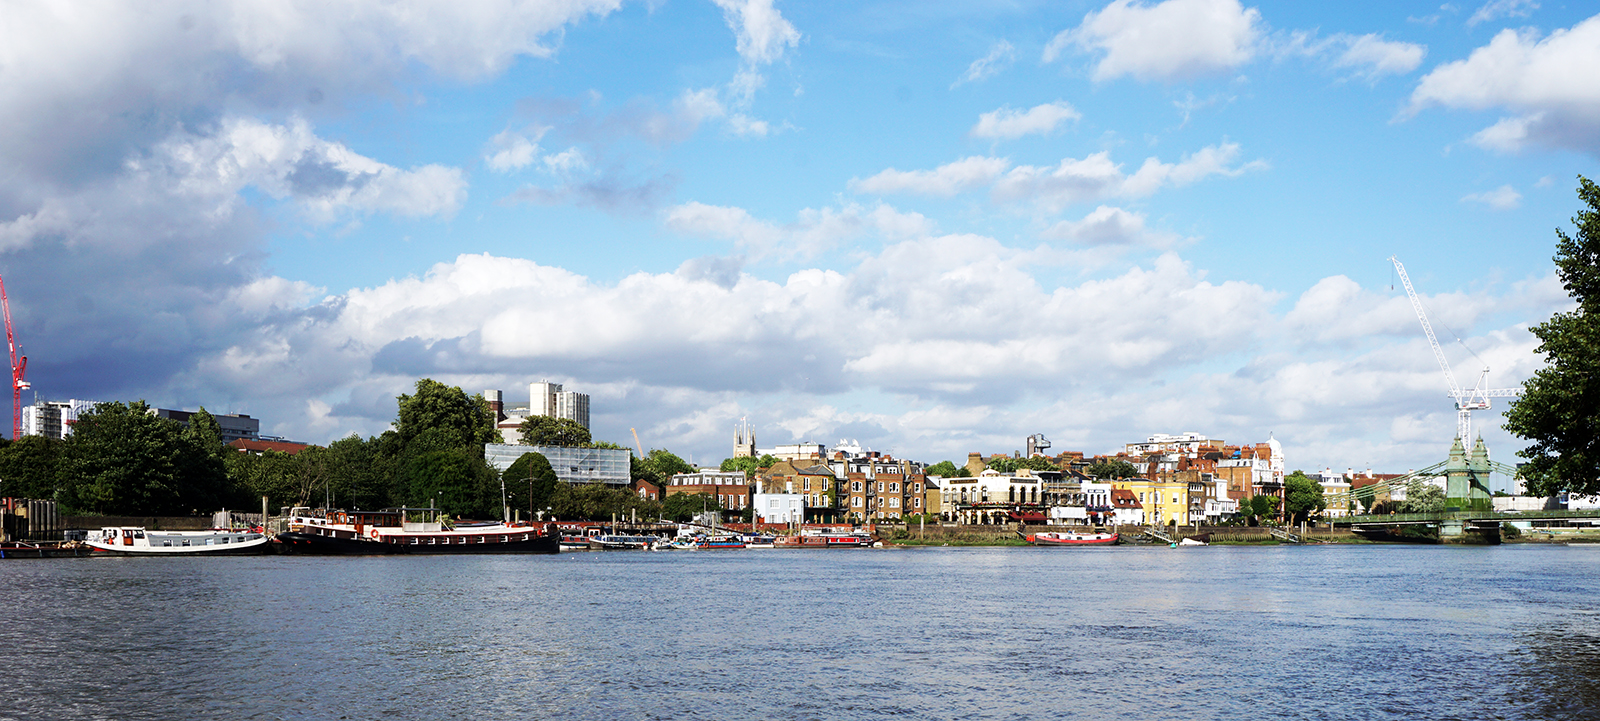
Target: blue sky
936	228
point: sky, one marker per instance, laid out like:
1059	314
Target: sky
933	228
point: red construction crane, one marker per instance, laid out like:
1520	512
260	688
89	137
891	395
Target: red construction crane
19	365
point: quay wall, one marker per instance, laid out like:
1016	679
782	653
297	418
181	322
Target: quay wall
165	523
980	534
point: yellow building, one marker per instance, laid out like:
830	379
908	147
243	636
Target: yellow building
1164	501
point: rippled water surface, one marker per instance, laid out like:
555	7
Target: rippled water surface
1359	632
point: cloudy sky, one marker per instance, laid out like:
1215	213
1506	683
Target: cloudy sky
933	227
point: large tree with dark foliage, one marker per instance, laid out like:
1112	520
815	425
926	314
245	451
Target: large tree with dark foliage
550	431
1557	412
455	419
530	481
28	467
121	459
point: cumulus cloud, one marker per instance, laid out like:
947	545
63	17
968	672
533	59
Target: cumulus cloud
999	57
1552	84
1172	40
1094	177
1107	225
814	231
1504	197
512	150
289	161
946	180
1008	124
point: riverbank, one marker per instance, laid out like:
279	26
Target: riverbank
953	535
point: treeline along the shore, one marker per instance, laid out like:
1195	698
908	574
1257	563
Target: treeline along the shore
121	459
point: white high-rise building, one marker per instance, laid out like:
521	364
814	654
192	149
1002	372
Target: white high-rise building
548	399
53	419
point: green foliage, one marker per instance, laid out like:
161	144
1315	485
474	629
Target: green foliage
1303	496
451	417
1556	412
1006	464
548	431
457	481
1261	507
682	507
121	459
530	482
748	464
1422	498
361	471
942	469
272	474
598	501
1117	470
659	465
28	467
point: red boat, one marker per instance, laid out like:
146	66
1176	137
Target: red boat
1052	538
814	539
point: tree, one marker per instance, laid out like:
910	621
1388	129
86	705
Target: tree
530	481
28	467
121	459
456	481
1302	496
549	431
1422	498
1112	469
748	464
1002	464
1260	507
659	465
362	471
942	469
682	507
1556	412
456	419
598	502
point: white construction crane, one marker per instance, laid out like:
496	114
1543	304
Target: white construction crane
1467	401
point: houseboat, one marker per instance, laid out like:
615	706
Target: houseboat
823	538
139	541
408	530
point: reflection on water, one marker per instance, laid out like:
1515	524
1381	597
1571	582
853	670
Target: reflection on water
1012	633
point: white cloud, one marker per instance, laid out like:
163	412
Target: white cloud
1008	124
926	320
1107	225
999	57
1553	84
325	178
1172	40
1378	57
1496	9
512	150
814	231
1502	198
763	35
1096	177
946	180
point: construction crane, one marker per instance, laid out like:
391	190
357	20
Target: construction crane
636	443
19	365
1467	401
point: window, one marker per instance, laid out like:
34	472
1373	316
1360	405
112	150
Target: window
916	502
855	501
805	484
856	486
894	502
880	501
880	486
918	488
894	487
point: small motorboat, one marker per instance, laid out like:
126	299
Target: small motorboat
1069	538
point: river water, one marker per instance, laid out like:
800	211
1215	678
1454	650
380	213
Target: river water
1357	632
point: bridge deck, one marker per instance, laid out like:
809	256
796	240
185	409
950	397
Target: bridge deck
1410	518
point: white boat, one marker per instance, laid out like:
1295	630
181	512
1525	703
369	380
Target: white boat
138	541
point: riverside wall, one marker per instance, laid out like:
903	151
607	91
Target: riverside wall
989	534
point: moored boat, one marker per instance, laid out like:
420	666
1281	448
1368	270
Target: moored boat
621	543
810	538
1069	538
408	530
138	541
